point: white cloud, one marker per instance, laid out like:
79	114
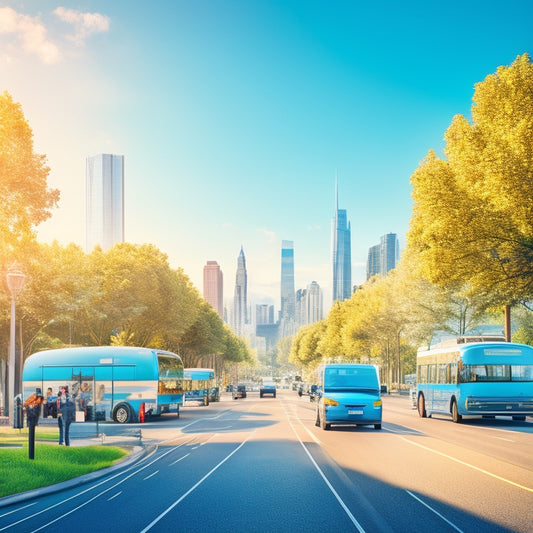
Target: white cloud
84	24
31	33
270	235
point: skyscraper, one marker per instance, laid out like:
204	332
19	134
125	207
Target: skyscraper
314	303
240	299
384	256
341	253
214	286
288	296
104	186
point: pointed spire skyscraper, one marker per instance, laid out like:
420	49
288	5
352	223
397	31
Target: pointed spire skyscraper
240	300
341	252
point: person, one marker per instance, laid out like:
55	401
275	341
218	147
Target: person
61	398
50	406
67	414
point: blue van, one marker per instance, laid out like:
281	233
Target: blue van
350	394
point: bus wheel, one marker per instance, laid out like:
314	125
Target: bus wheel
421	406
456	417
122	413
323	424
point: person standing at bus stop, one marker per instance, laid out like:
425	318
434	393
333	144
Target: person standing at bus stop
66	414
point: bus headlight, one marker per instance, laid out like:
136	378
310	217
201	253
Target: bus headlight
377	403
329	401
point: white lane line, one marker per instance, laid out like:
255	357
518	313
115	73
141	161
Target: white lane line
113	497
495	476
17	509
178	460
151	475
326	480
434	511
92	487
194	487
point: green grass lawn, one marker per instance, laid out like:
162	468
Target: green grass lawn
52	464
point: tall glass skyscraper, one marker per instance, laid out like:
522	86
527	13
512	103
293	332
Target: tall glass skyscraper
240	299
104	191
341	253
384	256
288	295
214	286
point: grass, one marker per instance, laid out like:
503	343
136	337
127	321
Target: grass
52	464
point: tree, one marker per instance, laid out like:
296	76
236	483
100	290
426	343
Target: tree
26	198
472	221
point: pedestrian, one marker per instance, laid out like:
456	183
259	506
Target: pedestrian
67	414
61	398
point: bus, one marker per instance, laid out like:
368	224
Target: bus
118	383
490	379
199	385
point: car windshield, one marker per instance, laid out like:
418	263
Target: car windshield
348	379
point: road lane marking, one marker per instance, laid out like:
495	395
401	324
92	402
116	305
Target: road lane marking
151	475
194	487
92	487
329	485
495	476
178	460
113	497
17	509
434	511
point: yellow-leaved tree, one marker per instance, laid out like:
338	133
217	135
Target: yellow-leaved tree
472	223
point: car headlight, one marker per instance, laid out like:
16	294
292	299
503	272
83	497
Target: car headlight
329	401
377	403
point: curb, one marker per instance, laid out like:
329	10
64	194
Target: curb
138	453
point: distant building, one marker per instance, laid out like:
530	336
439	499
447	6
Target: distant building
104	193
288	295
214	286
383	257
240	299
341	253
309	304
264	314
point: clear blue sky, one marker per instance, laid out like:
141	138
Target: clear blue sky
233	116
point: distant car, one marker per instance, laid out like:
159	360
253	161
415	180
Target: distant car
313	390
239	392
412	395
267	389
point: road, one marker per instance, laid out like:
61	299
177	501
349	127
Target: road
258	465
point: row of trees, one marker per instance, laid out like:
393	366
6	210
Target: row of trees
128	295
469	253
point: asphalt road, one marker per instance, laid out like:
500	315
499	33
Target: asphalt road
258	465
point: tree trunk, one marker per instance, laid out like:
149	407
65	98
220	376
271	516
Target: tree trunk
507	324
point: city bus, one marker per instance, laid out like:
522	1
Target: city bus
118	383
490	379
199	385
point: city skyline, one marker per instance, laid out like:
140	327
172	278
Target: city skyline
233	117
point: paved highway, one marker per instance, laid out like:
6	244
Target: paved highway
258	465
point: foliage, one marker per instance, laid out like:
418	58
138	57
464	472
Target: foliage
472	222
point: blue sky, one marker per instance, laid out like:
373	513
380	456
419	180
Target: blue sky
234	116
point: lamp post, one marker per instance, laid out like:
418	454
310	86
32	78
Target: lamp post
15	281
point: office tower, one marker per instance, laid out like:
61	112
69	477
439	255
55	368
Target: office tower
214	286
314	302
301	318
341	254
390	252
373	264
287	280
240	299
384	256
104	185
264	314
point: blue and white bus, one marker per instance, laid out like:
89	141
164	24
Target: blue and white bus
109	382
480	378
199	385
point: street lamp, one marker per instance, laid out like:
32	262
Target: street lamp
15	281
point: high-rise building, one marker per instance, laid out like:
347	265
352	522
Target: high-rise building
104	185
287	280
390	252
314	303
240	299
214	286
373	264
341	253
384	256
264	314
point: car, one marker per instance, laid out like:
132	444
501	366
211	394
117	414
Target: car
350	394
267	389
239	392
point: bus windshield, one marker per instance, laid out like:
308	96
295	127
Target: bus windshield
349	379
